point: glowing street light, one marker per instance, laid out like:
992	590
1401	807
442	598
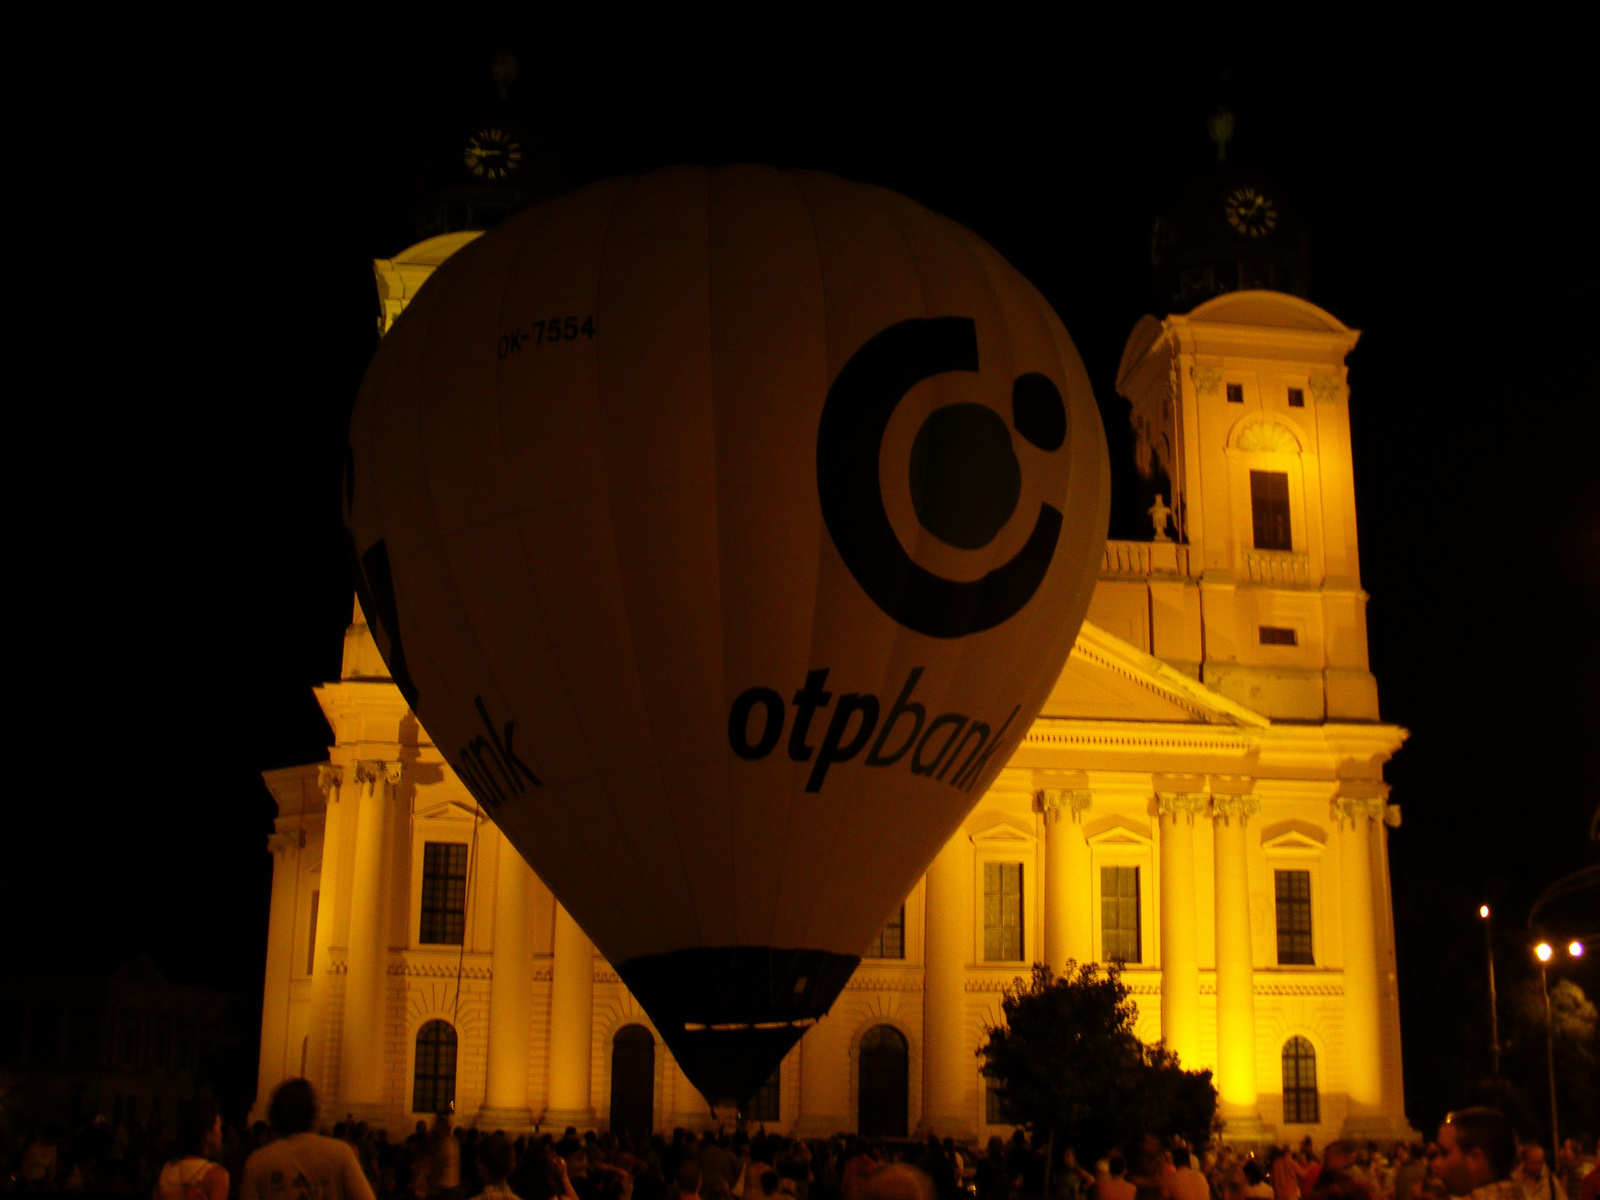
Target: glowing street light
1494	1004
1543	951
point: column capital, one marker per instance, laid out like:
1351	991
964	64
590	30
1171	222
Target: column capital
375	771
329	777
1053	802
1170	804
1354	808
1225	808
282	843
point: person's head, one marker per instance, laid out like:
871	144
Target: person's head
1336	1156
1118	1166
687	1178
494	1159
769	1182
1180	1157
1252	1172
577	1163
1476	1146
293	1108
200	1129
1533	1160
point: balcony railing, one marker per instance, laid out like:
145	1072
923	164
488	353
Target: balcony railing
1285	567
1139	560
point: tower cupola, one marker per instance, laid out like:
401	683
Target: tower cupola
1229	228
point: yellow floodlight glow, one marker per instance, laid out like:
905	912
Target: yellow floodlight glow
1575	949
1483	911
1543	952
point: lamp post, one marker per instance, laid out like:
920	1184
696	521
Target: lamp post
1494	1005
1544	952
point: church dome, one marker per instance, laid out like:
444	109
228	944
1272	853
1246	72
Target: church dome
1229	228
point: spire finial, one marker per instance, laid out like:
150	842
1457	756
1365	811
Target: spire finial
1220	126
503	70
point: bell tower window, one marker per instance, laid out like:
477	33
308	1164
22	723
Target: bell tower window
1236	393
1269	510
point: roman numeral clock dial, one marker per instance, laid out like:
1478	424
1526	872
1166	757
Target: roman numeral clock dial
1250	213
492	154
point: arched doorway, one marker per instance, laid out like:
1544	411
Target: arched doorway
433	1085
633	1081
884	1086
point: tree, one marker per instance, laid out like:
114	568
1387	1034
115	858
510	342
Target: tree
1068	1066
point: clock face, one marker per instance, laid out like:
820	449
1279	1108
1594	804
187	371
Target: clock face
1250	213
492	154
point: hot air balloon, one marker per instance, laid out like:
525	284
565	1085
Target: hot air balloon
726	529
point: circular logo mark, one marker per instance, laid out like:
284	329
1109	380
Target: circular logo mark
965	478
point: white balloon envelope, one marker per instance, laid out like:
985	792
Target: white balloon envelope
726	529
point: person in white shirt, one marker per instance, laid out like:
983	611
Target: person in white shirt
301	1165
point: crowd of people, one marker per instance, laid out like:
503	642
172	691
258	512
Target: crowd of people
1475	1155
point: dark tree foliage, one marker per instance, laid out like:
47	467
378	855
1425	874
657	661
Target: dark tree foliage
1069	1067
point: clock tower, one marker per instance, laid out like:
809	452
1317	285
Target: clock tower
490	162
1240	408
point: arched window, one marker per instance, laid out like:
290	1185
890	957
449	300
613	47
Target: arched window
633	1082
884	1084
1299	1082
434	1087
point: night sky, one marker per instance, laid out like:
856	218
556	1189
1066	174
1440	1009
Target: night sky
197	305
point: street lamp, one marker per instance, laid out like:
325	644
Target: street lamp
1544	952
1494	1005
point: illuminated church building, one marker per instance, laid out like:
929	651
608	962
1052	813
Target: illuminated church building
1201	798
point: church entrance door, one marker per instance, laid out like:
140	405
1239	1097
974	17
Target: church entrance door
885	1075
633	1082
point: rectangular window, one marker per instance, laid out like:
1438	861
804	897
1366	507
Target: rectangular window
994	1112
130	1038
1269	509
891	939
1236	393
444	893
1277	635
1297	397
311	942
1002	912
1294	917
1119	914
764	1104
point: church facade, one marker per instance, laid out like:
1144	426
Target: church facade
1201	799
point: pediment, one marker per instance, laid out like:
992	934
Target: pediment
1001	829
1117	830
448	810
1294	837
1109	679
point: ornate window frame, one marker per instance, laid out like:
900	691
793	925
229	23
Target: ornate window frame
1298	845
1005	839
1119	841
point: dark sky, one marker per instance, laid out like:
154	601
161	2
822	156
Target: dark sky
196	303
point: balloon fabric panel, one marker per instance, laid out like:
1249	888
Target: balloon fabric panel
612	476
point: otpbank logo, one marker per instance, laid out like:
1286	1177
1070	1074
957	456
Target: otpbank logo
965	479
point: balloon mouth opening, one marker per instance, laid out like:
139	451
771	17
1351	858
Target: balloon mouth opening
730	1014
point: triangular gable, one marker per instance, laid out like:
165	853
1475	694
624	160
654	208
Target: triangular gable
1107	679
448	810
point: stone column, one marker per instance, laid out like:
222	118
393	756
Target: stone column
1236	995
331	779
1180	957
505	1102
1362	1036
822	1114
571	1026
274	1068
947	1062
361	1044
1068	927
